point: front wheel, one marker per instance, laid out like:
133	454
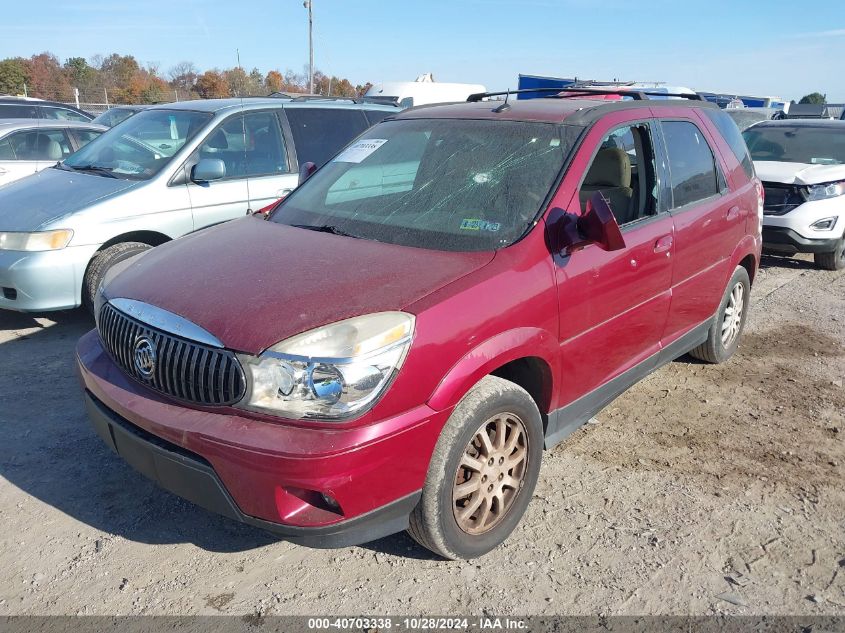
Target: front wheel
726	329
100	264
482	473
835	260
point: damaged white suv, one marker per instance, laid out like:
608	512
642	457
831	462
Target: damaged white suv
802	166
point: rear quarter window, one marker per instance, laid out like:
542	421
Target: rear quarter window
320	133
15	111
730	132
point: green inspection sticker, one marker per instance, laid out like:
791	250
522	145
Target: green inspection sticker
476	224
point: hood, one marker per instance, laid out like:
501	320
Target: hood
253	283
29	203
798	173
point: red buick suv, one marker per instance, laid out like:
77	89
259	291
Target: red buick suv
393	345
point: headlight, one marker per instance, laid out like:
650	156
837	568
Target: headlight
330	373
822	192
39	241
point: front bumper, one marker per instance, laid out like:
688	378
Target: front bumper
267	474
785	241
45	280
792	232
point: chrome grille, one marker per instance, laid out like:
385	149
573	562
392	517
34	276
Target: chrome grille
183	369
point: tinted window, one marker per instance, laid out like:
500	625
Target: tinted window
797	144
376	116
18	111
623	170
691	163
727	127
64	114
320	133
458	185
249	145
40	145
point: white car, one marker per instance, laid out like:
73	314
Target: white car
802	166
30	145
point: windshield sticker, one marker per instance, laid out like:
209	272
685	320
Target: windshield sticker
358	151
474	224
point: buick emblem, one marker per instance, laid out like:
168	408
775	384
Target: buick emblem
145	357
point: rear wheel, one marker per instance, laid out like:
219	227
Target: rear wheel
100	264
724	334
483	472
835	260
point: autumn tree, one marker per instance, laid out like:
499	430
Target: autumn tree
212	85
273	81
183	77
46	77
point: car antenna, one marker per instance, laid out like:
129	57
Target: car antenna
505	106
243	130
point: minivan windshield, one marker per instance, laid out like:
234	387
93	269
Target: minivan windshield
442	184
139	147
797	144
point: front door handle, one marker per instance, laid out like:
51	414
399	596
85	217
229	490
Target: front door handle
281	193
733	213
664	244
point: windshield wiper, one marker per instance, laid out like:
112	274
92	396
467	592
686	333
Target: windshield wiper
96	169
326	228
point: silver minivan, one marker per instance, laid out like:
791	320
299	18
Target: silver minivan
167	171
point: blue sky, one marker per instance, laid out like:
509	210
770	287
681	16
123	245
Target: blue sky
753	47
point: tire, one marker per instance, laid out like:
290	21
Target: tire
100	264
494	403
835	260
716	349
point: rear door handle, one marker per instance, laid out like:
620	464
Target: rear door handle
664	244
733	213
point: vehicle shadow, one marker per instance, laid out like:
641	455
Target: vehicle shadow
51	452
800	262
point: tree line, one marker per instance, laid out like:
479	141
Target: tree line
119	78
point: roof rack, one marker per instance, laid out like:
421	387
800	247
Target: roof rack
636	95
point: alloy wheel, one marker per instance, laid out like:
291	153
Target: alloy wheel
491	473
733	315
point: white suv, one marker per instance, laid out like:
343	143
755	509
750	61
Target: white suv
802	166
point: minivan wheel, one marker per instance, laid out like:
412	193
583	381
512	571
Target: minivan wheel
482	473
100	264
835	260
726	330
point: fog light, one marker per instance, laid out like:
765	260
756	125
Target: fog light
824	225
330	502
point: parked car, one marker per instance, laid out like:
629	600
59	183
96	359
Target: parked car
165	172
422	91
20	108
746	117
802	165
30	145
460	287
118	114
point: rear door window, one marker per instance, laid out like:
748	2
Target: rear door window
320	133
52	145
730	132
63	114
691	163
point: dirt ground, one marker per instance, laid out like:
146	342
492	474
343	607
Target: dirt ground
696	475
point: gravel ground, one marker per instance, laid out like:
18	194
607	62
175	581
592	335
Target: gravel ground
696	476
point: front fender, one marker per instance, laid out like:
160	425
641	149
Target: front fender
488	356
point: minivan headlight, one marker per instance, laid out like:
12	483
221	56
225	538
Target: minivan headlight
37	241
825	191
332	372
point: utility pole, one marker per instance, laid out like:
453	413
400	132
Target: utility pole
307	5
